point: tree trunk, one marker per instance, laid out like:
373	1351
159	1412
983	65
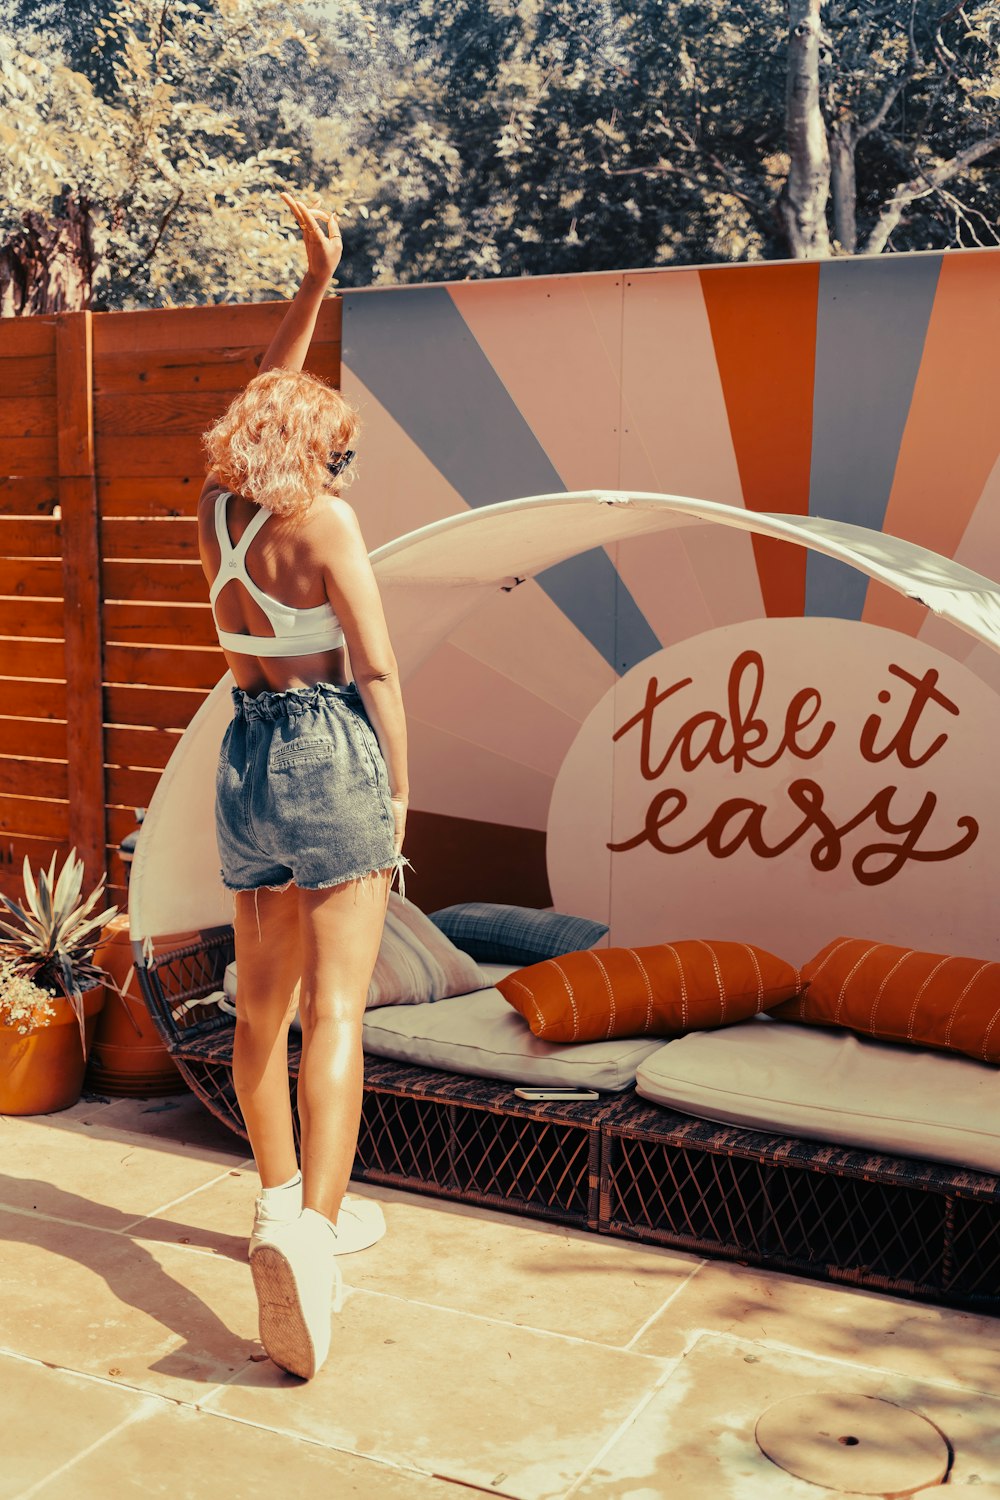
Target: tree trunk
48	266
802	204
844	182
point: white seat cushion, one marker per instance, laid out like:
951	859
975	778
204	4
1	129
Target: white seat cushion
480	1034
831	1086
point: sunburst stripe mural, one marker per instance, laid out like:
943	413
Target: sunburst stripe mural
412	347
676	438
871	321
952	437
797	388
765	345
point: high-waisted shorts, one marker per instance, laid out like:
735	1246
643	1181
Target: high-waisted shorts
302	792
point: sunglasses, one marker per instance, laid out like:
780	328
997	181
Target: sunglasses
339	461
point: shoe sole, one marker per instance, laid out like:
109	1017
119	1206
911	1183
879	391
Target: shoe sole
283	1329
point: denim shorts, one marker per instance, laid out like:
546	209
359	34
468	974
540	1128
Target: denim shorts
302	792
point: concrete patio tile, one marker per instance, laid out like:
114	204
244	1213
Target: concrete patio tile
50	1416
176	1451
151	1316
97	1176
180	1119
527	1272
865	1328
695	1438
516	1412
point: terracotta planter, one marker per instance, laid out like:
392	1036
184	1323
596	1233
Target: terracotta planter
42	1071
130	1057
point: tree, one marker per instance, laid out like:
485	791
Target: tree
581	134
149	194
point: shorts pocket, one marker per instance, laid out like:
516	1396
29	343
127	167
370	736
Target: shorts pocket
300	753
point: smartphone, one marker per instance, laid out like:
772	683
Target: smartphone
543	1092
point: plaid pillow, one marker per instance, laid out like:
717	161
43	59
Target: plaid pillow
515	934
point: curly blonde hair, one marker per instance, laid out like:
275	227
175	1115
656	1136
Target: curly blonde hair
276	438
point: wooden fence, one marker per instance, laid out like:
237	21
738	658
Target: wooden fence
106	639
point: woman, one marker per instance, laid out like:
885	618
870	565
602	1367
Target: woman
311	795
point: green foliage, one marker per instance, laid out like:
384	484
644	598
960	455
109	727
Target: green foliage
51	939
475	138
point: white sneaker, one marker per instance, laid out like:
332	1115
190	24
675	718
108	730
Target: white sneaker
360	1223
295	1275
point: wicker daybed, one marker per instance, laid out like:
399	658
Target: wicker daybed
620	1165
625	1167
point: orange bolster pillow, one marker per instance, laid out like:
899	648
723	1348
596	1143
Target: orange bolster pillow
901	995
663	990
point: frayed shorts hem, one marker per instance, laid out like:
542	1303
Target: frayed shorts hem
395	865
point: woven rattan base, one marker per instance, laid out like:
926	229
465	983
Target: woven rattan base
917	1228
624	1167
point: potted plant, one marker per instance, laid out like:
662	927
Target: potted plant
51	991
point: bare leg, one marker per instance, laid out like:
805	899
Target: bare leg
340	931
269	966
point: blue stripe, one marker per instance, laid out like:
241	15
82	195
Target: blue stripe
871	325
412	348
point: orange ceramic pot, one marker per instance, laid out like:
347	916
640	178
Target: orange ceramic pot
43	1070
130	1057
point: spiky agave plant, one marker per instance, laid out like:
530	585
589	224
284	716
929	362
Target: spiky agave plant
51	939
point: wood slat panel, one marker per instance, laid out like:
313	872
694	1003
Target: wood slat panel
156	456
81	588
157	624
157	708
14	847
32	617
164	540
28	497
20	658
176	370
24	698
33	778
209	369
25	416
29	737
173	496
169	583
30	457
225	326
27	815
31	578
130	787
120	823
158	666
28	536
184	413
31	336
135	747
28	375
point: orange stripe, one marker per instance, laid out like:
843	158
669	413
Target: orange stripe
764	329
950	442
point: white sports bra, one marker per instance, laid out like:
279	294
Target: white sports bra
297	632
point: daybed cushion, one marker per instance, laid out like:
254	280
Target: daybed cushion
901	995
479	1034
832	1086
663	990
501	934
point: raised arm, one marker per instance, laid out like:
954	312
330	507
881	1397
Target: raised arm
290	345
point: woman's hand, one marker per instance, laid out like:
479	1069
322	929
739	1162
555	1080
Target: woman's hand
399	806
323	249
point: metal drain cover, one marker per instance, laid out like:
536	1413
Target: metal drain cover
855	1443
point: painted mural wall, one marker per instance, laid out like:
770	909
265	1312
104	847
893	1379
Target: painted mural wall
701	733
